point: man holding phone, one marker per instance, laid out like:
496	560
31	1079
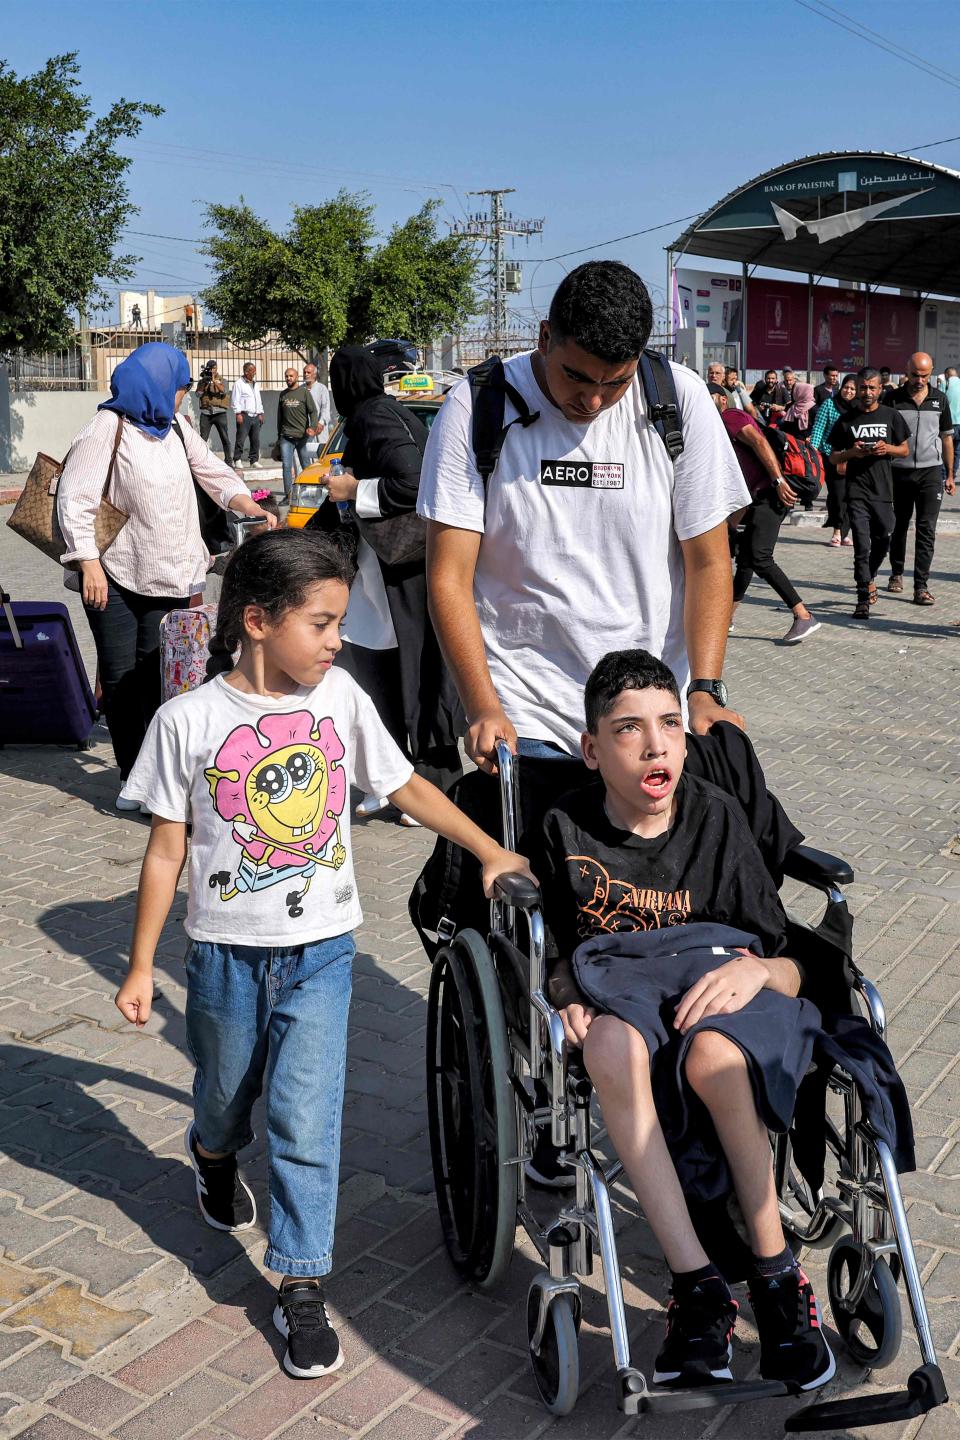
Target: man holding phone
869	439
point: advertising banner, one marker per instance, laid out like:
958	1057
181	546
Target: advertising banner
711	302
839	327
893	331
940	333
776	325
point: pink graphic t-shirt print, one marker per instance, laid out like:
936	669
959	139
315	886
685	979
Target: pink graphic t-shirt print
282	788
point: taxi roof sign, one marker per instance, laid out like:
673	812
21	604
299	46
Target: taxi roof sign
419	383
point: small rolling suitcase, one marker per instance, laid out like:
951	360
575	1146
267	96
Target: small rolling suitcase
184	648
45	697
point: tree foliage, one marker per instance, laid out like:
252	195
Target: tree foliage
63	201
326	281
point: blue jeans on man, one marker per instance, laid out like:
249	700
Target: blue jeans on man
289	448
276	1017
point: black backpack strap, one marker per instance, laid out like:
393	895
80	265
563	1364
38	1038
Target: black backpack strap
489	390
656	377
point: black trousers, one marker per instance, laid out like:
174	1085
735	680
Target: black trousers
216	420
920	491
250	426
378	673
761	527
127	637
871	521
837	513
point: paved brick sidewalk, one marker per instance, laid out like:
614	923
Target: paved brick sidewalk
122	1316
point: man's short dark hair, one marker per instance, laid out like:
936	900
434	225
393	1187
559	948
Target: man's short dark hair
868	372
884	369
828	367
604	307
621	670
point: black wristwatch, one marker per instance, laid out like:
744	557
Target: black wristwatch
716	688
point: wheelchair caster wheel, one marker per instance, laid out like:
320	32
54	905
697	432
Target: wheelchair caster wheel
556	1360
873	1328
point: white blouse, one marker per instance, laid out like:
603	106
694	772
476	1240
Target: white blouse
160	550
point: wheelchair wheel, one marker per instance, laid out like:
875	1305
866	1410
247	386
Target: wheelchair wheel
873	1330
556	1364
472	1112
797	1200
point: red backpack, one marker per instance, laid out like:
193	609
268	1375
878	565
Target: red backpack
801	464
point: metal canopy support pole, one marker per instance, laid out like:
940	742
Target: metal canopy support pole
866	326
809	326
671	337
743	325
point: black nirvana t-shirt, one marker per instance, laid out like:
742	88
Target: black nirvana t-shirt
873	475
597	879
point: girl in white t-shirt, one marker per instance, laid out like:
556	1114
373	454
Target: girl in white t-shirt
259	762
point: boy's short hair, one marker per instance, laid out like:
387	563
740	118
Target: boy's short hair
621	670
604	307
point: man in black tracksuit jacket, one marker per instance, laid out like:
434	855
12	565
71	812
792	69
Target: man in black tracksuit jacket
918	477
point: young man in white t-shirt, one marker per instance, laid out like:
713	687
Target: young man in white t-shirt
586	537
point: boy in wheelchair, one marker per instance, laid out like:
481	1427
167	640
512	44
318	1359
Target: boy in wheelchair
695	1048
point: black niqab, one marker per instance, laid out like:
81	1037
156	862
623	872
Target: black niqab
355	376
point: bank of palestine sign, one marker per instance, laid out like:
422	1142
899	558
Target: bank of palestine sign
829	198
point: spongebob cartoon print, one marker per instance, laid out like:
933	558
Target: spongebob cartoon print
282	788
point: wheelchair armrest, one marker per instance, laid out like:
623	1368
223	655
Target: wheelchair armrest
816	867
516	889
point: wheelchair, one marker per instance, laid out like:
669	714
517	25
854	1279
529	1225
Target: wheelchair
499	1075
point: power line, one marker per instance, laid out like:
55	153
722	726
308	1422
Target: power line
930	145
901	49
870	37
599	244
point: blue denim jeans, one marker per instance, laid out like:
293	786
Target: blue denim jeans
287	450
259	1015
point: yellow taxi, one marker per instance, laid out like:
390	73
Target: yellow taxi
421	391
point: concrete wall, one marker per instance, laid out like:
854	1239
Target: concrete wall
48	420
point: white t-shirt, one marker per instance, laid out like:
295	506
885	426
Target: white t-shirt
581	537
266	785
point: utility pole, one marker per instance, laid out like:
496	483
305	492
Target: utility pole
492	230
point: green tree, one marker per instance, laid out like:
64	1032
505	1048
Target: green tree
325	281
63	201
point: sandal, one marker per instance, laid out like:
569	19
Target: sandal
848	542
923	597
834	543
895	584
872	593
862	611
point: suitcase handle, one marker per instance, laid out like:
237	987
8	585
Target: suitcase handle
7	608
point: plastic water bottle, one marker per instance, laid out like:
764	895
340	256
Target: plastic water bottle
344	506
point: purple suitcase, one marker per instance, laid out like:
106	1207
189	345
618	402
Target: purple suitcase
45	697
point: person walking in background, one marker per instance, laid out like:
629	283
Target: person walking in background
246	403
830	384
769	397
158	560
824	419
321	398
918	482
952	391
136	319
297	418
795	420
867	439
789	380
772	499
213	406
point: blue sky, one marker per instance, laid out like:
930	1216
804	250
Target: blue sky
607	116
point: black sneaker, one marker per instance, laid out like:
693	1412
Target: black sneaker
698	1349
793	1347
224	1200
544	1168
313	1347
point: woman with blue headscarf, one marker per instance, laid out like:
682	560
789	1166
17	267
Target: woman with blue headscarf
158	560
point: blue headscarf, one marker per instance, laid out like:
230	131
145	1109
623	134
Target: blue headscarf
144	387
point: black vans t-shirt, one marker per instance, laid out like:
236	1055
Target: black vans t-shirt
597	879
873	475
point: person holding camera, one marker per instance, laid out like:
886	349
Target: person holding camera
214	404
867	439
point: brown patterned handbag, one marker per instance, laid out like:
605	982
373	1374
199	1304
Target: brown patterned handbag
35	513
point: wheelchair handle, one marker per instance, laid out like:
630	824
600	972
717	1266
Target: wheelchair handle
517	889
507	767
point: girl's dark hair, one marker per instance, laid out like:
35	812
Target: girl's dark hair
273	570
621	670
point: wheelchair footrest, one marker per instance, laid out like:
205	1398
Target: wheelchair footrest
925	1391
634	1398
